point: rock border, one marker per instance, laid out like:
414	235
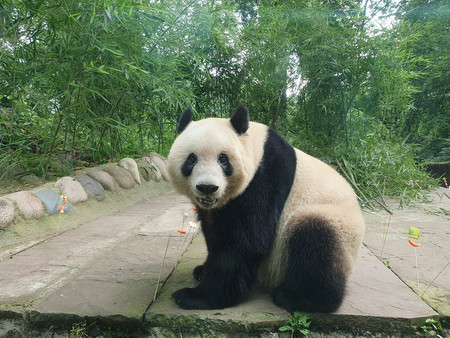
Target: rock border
126	174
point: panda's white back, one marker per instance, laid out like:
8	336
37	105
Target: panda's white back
317	190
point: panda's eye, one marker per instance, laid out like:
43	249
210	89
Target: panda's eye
192	159
223	159
189	164
225	164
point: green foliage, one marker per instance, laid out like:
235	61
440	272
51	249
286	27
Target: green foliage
91	81
428	120
79	330
431	327
297	324
373	161
377	165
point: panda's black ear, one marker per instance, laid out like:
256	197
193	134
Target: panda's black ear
184	120
240	120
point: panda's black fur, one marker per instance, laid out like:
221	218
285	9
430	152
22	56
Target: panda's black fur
240	235
313	282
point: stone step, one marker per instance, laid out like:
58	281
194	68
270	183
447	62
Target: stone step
377	301
104	273
106	269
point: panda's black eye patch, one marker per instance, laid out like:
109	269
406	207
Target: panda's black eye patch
225	164
189	164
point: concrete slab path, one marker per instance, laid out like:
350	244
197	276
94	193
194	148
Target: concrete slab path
106	270
387	237
376	300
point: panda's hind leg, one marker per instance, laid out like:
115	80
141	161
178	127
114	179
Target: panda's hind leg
315	278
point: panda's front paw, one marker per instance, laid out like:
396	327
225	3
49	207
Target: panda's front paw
189	298
198	272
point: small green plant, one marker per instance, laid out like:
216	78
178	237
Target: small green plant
79	330
388	265
432	326
299	323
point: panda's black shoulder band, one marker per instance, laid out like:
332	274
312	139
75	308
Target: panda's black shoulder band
240	120
185	119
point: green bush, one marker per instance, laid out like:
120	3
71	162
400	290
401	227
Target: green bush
378	166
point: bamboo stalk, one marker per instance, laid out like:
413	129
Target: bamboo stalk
351	179
385	236
417	270
442	270
160	270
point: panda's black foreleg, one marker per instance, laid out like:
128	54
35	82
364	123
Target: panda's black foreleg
314	280
225	280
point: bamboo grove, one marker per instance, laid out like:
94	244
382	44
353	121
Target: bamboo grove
360	83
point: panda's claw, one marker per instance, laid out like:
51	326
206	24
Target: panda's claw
198	272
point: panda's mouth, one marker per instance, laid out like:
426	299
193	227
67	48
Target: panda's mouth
207	201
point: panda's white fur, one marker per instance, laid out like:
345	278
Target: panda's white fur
318	190
318	200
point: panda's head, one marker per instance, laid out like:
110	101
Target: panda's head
207	161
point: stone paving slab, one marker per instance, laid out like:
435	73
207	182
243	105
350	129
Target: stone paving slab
433	221
376	300
105	268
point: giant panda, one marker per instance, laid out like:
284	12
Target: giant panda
269	213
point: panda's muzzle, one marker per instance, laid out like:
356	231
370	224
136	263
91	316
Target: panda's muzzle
207	191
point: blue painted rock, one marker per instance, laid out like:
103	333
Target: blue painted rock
92	187
51	201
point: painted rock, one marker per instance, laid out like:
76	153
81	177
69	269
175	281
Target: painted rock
51	201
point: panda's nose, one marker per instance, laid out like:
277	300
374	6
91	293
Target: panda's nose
207	189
